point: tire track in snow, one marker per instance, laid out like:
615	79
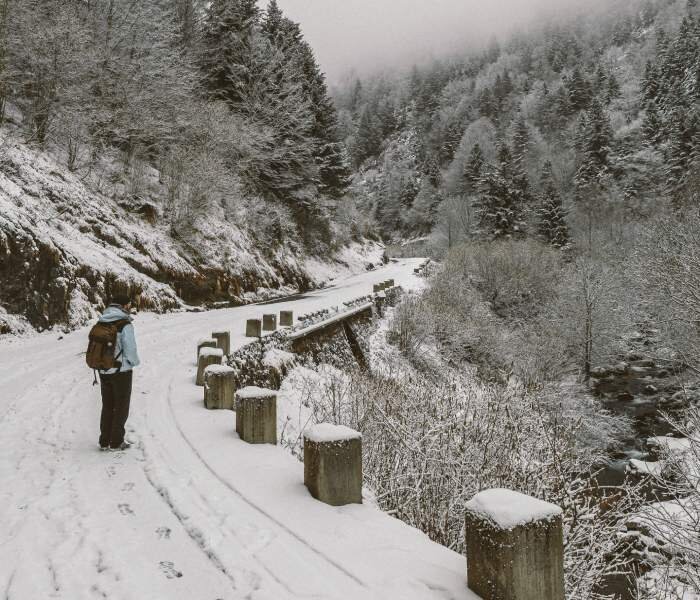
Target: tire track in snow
254	506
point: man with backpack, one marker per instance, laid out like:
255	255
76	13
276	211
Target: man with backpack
112	351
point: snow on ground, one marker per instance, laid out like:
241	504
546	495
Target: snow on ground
508	509
190	511
350	260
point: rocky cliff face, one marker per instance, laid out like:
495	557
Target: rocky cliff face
64	248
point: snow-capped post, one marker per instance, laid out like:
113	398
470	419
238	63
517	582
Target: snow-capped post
515	547
333	464
219	387
379	303
223	341
208	356
253	328
205	343
256	415
378	287
269	322
390	283
286	318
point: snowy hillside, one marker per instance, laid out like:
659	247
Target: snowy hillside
64	247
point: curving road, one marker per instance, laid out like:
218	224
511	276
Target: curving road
190	511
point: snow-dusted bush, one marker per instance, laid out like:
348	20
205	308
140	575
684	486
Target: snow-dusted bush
516	277
410	328
667	266
672	528
430	444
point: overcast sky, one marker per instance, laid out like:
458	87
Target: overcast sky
370	34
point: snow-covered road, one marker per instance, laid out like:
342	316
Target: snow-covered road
190	511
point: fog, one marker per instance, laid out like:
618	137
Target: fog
366	35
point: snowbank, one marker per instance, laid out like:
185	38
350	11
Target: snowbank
255	392
508	509
327	432
217	369
206	352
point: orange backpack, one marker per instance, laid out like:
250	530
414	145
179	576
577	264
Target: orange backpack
101	345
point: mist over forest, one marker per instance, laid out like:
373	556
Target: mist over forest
368	36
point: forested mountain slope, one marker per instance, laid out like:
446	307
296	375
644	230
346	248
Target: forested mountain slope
65	247
592	115
185	150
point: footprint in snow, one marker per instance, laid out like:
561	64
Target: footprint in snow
125	509
111	471
169	569
127	487
163	533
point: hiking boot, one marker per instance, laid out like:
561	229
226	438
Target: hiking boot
123	446
103	448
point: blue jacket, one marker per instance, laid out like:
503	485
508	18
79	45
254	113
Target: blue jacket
126	340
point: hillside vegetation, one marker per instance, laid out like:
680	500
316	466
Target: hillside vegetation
590	117
186	151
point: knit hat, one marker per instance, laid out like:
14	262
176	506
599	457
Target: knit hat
120	299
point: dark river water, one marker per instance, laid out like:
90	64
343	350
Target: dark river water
647	421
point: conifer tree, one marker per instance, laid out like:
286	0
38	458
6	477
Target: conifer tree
430	169
367	139
328	152
579	90
596	137
334	169
682	136
273	23
227	49
613	88
499	207
652	126
552	217
650	84
521	147
473	169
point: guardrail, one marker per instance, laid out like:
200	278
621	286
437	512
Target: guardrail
514	543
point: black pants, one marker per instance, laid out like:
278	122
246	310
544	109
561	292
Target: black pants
116	396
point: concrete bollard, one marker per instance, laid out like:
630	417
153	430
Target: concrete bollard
256	415
515	547
380	303
219	387
208	356
390	283
253	328
286	318
205	343
269	322
333	464
223	341
377	287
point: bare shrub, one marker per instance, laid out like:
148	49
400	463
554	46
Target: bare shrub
516	277
667	265
410	327
429	446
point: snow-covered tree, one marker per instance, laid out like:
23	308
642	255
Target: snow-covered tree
552	217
